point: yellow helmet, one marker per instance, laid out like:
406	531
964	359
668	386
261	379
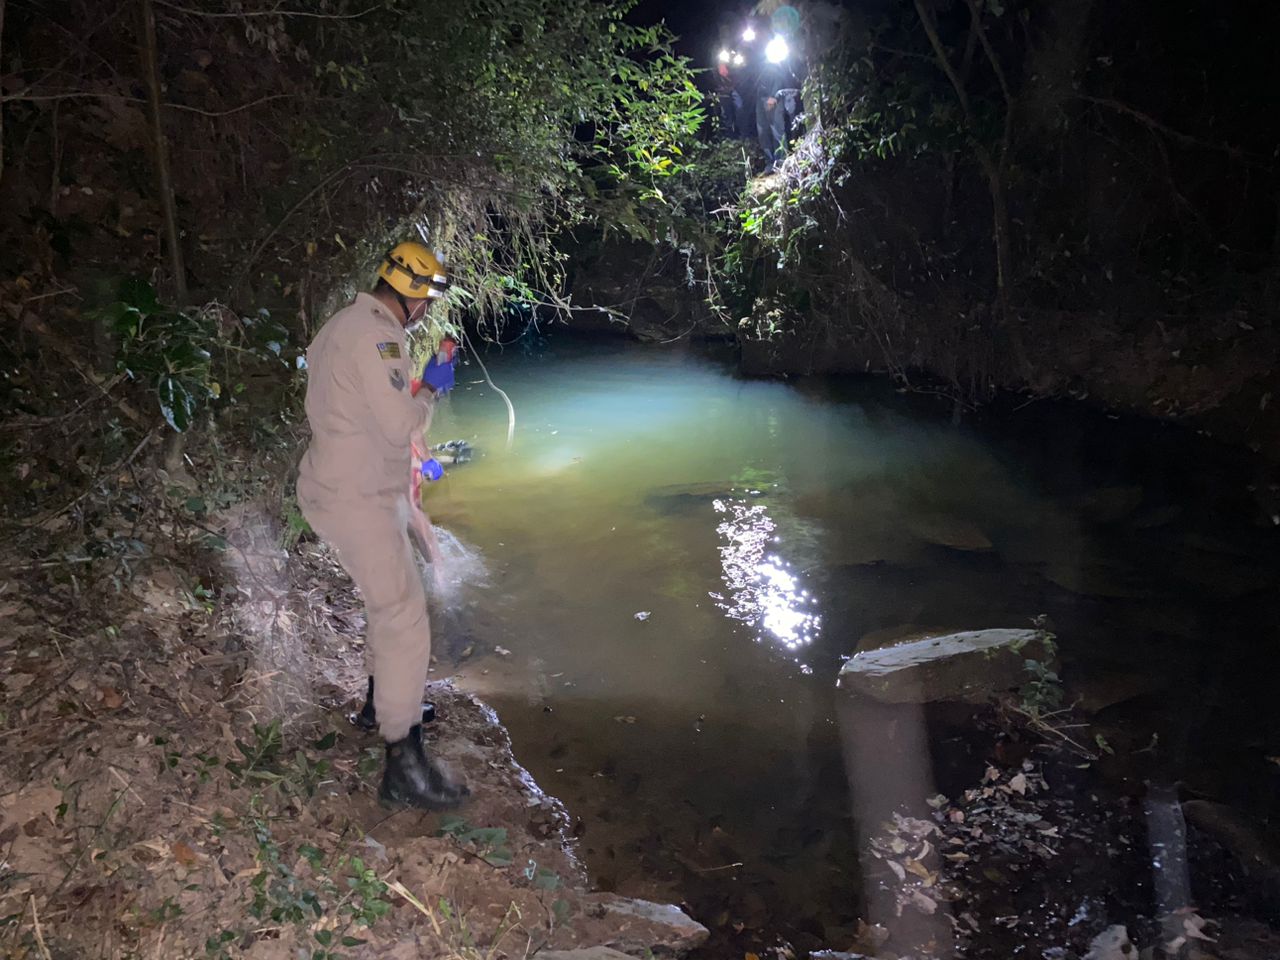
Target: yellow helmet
414	271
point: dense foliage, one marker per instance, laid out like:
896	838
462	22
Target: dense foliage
301	142
971	167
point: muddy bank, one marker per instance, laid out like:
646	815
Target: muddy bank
177	777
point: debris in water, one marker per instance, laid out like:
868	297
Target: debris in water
1111	944
643	615
502	651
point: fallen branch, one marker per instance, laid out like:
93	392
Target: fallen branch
1039	724
53	515
35	919
72	356
33	422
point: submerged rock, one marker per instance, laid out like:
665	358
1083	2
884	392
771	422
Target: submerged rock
1240	836
968	666
946	531
1096	693
1091	576
1109	504
678	498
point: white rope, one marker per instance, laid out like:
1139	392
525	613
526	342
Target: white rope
511	410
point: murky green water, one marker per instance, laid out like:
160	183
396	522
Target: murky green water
676	561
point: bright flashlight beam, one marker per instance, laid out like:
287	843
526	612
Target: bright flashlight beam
777	50
723	56
749	34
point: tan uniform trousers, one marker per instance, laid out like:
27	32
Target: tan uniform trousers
374	547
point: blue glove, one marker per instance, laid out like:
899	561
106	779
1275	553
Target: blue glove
438	376
438	373
431	470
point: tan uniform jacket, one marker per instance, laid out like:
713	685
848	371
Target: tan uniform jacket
361	413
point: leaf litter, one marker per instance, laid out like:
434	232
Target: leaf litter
175	778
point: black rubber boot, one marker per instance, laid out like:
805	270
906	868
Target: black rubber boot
411	778
367	718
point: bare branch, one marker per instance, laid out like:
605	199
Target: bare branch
992	59
994	169
72	355
90	95
228	112
1007	136
940	52
106	21
342	171
1177	136
269	13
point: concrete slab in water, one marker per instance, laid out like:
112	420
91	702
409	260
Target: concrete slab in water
969	666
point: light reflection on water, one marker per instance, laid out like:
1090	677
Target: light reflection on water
762	589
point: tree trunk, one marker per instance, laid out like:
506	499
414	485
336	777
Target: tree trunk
1004	263
1271	291
999	229
993	170
160	152
1	104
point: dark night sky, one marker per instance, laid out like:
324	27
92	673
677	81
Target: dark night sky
696	22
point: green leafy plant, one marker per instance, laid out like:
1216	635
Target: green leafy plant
367	902
295	525
165	350
306	774
279	894
489	843
541	878
258	759
334	898
218	946
1042	693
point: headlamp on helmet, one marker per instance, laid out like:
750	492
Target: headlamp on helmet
411	270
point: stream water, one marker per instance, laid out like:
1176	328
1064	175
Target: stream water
655	586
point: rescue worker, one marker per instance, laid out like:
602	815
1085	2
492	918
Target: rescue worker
353	489
729	101
777	103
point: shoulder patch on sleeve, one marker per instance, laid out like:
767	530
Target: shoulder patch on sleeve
397	378
389	350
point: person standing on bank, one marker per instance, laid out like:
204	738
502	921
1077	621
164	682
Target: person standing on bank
777	102
353	487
